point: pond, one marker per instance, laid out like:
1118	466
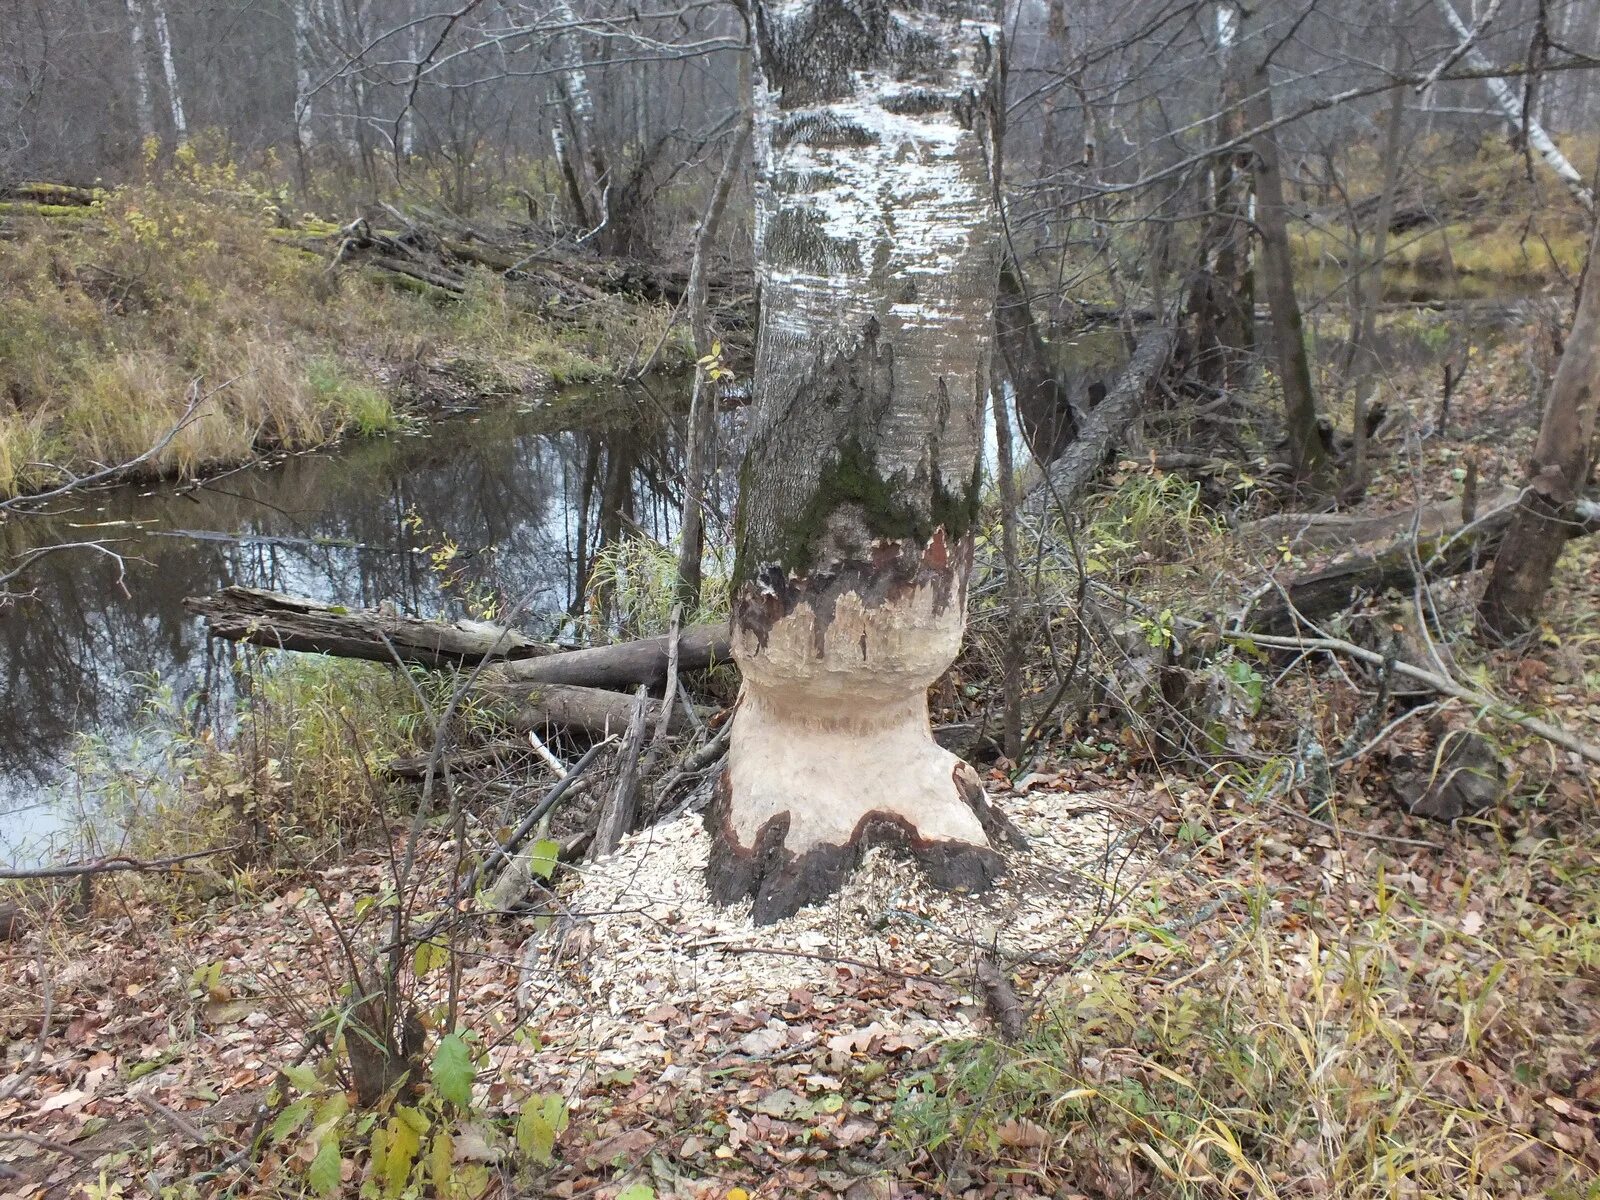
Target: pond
83	650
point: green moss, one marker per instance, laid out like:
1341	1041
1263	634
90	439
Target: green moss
887	506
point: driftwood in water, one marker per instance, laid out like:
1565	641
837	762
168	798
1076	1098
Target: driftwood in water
280	621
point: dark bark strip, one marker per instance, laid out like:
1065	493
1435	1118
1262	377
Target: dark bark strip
781	883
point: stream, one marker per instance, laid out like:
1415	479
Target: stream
82	651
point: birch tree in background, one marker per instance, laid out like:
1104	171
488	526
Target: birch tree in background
877	252
169	71
141	70
1510	103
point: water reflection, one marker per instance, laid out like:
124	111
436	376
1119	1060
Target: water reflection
508	488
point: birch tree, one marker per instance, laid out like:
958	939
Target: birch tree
169	70
1510	104
877	254
141	70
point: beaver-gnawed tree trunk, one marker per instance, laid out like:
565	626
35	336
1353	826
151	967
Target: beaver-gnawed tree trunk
877	249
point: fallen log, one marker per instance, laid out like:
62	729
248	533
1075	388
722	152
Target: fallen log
594	711
626	664
1286	605
1066	478
1326	531
283	622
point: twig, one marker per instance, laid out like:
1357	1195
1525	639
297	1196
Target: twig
116	862
1439	683
33	1139
544	752
178	1122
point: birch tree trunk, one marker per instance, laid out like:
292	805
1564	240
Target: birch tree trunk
1526	560
876	239
1510	104
303	135
169	69
141	70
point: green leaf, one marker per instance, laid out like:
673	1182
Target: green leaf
452	1069
290	1119
544	857
639	1191
401	1142
428	956
303	1077
325	1167
542	1119
363	905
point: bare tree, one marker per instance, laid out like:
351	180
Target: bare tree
1546	514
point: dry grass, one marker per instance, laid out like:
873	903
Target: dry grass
107	324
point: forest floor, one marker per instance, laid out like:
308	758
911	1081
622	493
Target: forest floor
1200	980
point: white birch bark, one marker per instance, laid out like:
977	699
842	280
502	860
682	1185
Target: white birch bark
877	256
141	70
303	132
1510	104
169	69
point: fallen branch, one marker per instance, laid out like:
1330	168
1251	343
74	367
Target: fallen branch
1282	608
280	621
616	818
1067	477
116	862
1439	683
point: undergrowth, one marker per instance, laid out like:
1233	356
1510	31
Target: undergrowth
1374	1043
186	286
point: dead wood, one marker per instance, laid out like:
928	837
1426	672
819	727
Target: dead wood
617	818
1068	476
1335	587
279	621
594	711
1304	532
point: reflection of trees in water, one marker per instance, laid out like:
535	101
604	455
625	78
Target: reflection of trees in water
71	657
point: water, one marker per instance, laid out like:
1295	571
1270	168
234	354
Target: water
82	651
